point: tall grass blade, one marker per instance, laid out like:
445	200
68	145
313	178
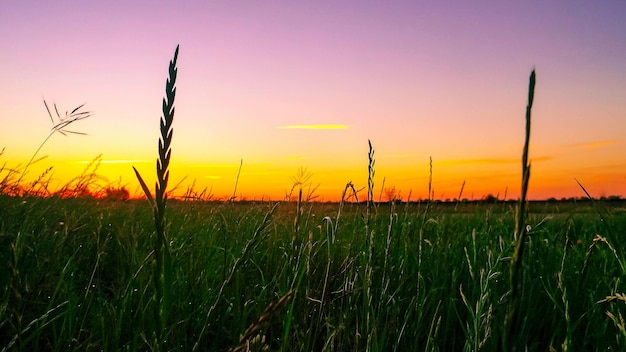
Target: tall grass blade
511	319
144	187
232	198
163	272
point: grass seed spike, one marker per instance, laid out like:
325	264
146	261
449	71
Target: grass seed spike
162	270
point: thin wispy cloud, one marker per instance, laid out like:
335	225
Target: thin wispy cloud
213	166
118	161
489	161
314	127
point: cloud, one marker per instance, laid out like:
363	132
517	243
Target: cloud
315	127
490	161
213	166
119	161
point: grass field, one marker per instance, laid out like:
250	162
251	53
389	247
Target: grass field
79	276
86	274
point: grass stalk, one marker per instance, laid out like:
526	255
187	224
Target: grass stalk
232	198
59	126
162	269
258	236
511	319
369	325
370	181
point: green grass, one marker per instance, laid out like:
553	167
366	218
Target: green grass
80	277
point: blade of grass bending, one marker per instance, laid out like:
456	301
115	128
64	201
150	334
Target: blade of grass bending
144	187
258	236
33	323
603	219
74	132
75	109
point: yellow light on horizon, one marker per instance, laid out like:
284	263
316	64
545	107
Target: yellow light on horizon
122	161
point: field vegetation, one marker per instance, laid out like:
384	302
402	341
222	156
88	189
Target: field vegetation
108	273
80	276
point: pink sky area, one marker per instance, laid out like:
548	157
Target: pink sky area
286	85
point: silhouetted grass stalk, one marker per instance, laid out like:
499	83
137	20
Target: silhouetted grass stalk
369	326
162	269
511	320
232	198
60	127
371	172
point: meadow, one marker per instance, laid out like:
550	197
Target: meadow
86	273
304	278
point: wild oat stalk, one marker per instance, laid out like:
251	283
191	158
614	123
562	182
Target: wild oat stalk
301	180
511	319
59	126
162	269
370	181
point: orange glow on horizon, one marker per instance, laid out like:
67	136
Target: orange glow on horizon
269	181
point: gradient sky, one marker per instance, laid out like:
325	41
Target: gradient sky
286	85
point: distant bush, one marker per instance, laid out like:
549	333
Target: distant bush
120	193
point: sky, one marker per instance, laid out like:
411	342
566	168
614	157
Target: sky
285	87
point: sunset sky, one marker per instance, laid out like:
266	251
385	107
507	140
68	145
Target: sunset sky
285	85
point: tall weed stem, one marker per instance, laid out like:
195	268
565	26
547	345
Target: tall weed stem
511	320
163	267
